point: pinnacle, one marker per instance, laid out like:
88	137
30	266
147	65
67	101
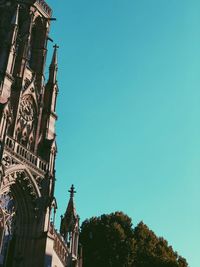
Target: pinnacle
15	17
54	61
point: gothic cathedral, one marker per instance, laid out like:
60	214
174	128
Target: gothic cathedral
28	146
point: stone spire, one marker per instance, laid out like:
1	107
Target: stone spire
50	97
53	68
13	39
7	60
69	227
70	218
14	29
15	18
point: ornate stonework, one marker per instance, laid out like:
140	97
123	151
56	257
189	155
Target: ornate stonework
28	144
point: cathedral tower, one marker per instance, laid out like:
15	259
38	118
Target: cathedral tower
27	136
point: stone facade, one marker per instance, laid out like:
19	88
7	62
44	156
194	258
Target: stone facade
28	144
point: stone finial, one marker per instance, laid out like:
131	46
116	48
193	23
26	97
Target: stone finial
72	191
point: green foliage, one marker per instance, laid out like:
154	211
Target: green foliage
153	251
110	241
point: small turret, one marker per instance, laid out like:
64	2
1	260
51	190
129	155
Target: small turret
69	227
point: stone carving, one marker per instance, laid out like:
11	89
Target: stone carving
27	109
8	212
25	122
8	161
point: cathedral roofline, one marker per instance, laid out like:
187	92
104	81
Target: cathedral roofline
45	7
41	3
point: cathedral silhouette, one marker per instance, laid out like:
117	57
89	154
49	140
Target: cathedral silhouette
28	144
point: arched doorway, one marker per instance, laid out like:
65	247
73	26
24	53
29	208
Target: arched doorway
19	217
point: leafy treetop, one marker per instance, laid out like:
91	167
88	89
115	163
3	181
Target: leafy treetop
111	241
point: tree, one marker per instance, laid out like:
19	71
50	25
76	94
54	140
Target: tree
153	251
110	241
107	241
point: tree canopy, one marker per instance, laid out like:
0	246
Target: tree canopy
111	241
154	251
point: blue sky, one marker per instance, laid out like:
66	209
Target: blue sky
128	132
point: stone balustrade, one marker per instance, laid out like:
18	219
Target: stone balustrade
23	153
60	247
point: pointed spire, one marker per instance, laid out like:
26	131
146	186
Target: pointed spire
70	218
69	227
53	68
11	40
54	61
15	18
71	210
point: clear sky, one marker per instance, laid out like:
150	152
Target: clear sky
128	132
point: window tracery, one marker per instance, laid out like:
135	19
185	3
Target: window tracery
7	222
26	121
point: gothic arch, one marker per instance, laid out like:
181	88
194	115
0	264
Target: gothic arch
23	168
20	198
20	183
